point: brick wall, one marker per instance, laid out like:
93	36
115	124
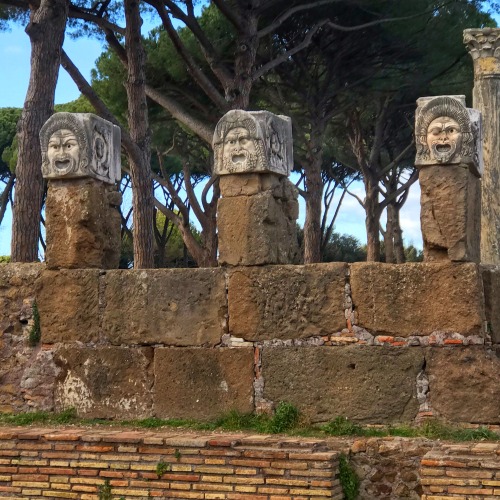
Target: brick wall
465	471
73	463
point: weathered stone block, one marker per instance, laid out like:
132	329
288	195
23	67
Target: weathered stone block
180	307
105	382
286	302
68	304
364	384
248	184
83	224
450	213
17	295
203	383
491	284
463	384
258	229
418	299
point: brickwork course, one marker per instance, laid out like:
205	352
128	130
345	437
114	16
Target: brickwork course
41	463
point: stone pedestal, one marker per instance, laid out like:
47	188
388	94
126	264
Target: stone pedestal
257	220
83	224
81	160
257	213
484	47
450	205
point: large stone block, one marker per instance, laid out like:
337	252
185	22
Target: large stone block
364	384
17	295
203	383
463	384
286	302
418	299
180	307
105	382
258	229
68	304
491	284
83	224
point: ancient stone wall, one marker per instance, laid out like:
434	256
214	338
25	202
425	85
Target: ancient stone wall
375	343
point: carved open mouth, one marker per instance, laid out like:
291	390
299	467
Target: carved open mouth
238	158
443	148
62	164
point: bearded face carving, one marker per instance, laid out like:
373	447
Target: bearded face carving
256	141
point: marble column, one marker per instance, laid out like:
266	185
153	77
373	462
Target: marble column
484	47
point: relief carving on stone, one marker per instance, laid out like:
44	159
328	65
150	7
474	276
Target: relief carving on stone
448	133
255	141
80	145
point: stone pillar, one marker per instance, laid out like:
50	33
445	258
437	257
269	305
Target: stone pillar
449	160
81	161
256	216
484	47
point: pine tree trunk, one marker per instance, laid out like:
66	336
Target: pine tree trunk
142	185
46	31
372	222
390	256
399	251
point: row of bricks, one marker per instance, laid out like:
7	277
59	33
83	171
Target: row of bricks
40	481
465	473
463	462
336	495
462	490
108	473
315	469
459	482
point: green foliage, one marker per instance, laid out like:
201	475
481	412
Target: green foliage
341	426
65	417
344	248
104	491
162	467
177	454
8	145
348	479
35	332
80	105
4	259
285	418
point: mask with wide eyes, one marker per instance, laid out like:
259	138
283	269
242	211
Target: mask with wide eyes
444	139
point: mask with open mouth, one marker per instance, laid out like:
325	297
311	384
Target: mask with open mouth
240	153
63	151
444	138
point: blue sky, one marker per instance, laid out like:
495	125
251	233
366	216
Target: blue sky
14	59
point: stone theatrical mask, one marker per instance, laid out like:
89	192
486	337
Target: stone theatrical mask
80	145
254	141
63	152
444	139
448	133
239	152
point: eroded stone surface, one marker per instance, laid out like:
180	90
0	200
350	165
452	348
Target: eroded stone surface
259	229
80	145
491	284
364	384
180	307
253	141
105	382
83	225
17	296
450	213
418	299
68	305
203	383
286	302
463	384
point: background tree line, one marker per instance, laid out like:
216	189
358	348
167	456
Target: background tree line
348	72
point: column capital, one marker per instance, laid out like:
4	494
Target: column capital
484	47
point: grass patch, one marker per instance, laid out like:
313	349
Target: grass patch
286	420
348	479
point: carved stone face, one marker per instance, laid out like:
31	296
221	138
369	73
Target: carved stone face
239	150
63	151
444	138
